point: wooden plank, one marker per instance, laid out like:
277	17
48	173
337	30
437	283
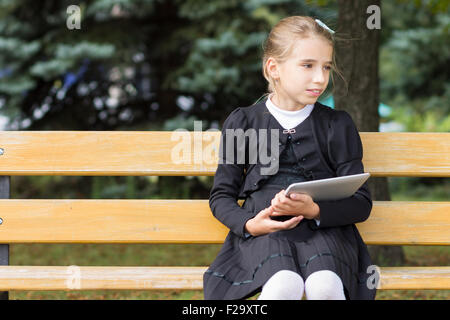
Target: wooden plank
407	223
412	154
415	278
107	153
186	278
100	278
162	153
191	221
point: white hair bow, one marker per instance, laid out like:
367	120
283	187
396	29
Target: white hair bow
323	25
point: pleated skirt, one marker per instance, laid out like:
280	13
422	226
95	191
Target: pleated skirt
243	266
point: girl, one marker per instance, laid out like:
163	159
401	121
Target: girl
285	247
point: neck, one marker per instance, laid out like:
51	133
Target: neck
285	105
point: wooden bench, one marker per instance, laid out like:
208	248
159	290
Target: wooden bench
136	153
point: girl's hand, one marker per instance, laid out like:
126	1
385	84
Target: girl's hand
262	223
294	205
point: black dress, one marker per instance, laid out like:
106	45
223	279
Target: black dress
243	265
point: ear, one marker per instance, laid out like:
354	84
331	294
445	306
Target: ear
272	68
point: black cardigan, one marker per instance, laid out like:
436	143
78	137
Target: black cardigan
341	152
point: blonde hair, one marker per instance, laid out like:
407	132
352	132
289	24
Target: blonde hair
281	38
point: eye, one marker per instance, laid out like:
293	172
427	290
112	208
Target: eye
307	65
327	67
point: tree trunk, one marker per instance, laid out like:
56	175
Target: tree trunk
357	49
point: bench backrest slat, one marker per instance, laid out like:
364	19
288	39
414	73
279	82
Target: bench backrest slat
136	153
191	221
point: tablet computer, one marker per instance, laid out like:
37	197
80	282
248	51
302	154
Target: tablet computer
331	188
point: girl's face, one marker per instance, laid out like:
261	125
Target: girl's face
306	70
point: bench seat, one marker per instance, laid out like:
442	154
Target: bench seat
138	153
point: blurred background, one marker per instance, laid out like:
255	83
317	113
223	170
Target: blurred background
160	65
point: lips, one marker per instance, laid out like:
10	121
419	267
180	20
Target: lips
314	92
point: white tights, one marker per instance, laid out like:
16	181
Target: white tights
289	285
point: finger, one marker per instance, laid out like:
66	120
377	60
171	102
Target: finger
296	196
285	206
302	197
278	206
283	199
278	214
275	213
288	203
285	225
281	210
273	202
291	223
267	212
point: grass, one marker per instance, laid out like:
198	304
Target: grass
202	255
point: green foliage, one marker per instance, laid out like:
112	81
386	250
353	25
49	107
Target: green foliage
128	187
136	7
435	6
17	85
422	115
67	56
40	57
186	47
415	78
181	122
226	50
19	49
207	50
430	121
414	61
12	51
419	189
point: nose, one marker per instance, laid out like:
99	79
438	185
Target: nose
319	76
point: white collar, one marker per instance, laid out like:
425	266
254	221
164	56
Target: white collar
306	110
